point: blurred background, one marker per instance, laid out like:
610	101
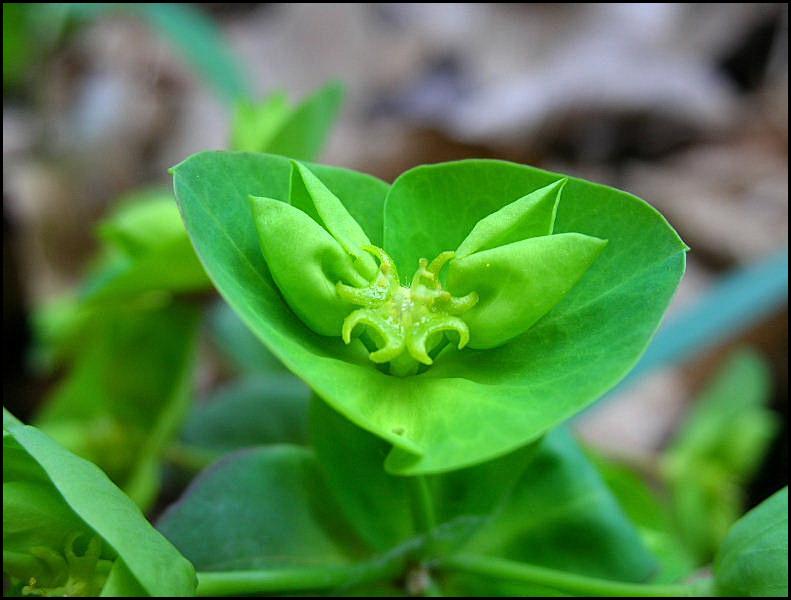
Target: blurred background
684	105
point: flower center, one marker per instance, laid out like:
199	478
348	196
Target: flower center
406	323
71	574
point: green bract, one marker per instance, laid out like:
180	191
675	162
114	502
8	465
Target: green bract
67	530
559	283
504	276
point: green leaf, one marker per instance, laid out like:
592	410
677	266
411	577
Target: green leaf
143	220
718	449
753	560
255	124
58	328
243	351
375	503
304	134
472	405
148	251
274	126
561	515
652	516
20	48
97	504
261	508
121	582
127	394
253	411
312	197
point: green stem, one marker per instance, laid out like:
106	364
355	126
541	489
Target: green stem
232	583
559	580
422	504
190	458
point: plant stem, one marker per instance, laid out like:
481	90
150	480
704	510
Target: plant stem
302	579
559	580
422	504
232	583
190	458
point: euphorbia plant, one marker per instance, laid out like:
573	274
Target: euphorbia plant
457	315
68	531
447	325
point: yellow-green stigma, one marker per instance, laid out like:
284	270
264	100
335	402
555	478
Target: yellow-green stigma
406	323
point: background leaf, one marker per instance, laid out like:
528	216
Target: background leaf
561	515
259	508
718	448
253	411
146	250
753	560
651	514
241	349
297	132
376	504
127	394
303	135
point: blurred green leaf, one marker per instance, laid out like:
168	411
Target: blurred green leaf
58	327
254	411
146	250
651	514
145	258
260	508
305	133
275	127
753	560
244	351
376	504
127	394
560	515
255	124
718	449
79	501
141	221
18	51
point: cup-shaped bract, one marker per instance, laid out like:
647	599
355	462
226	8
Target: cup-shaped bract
592	268
519	283
532	215
506	274
517	268
311	244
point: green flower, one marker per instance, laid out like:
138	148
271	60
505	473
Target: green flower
458	313
503	277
